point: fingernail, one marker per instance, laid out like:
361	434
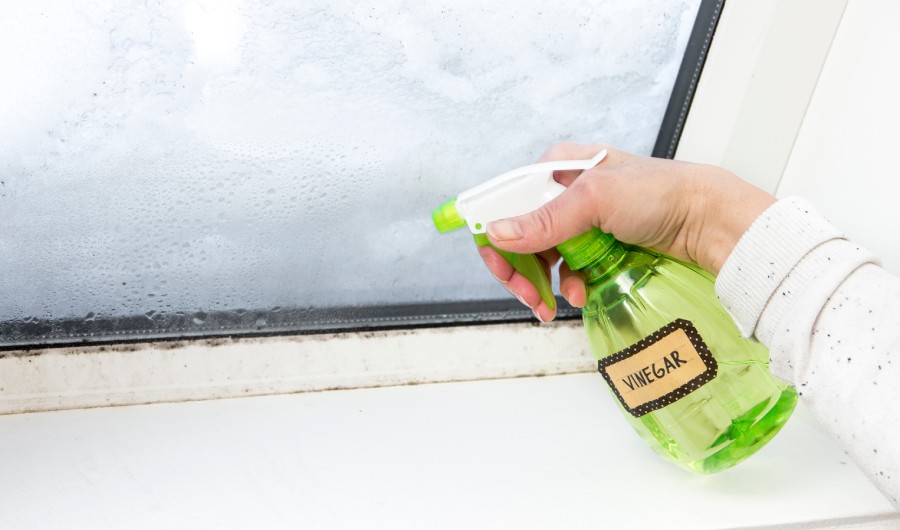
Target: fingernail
537	315
505	230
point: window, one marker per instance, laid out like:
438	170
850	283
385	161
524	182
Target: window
172	170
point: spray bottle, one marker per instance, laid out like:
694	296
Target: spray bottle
698	392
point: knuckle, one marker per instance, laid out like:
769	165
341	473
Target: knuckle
562	149
545	221
558	151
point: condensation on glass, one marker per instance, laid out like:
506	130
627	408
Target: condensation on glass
162	163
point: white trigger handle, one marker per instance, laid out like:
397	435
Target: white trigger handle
516	192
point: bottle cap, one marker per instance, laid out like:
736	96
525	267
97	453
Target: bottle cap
583	249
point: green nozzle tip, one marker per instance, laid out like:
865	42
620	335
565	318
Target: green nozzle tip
446	217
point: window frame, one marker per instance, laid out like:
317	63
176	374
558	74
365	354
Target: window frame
737	77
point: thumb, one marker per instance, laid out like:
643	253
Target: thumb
561	219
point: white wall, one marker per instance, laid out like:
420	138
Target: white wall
757	82
799	97
845	156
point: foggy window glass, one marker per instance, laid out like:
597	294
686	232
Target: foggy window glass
178	168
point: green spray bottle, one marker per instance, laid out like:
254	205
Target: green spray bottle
698	392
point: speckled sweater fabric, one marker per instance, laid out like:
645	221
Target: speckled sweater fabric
830	316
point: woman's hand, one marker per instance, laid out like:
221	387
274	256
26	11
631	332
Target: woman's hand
693	212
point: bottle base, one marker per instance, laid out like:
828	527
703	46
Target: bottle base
749	433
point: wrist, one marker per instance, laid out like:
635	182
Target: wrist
731	206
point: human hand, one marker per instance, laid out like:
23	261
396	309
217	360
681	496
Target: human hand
693	212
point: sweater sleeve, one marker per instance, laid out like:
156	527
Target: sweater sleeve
830	316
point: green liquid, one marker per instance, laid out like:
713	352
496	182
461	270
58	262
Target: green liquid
631	294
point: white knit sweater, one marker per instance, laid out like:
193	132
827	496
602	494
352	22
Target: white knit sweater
830	316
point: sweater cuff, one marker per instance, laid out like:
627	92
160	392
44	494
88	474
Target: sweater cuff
770	249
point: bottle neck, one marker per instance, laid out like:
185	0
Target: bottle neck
594	253
605	266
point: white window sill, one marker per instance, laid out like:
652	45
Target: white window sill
131	374
501	450
546	452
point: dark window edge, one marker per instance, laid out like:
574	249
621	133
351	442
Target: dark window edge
41	334
688	75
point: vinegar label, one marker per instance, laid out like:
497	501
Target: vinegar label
660	369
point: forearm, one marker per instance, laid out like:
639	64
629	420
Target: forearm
829	316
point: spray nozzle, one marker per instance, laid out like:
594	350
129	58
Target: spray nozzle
446	217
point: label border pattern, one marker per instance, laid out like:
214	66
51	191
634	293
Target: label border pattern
693	335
